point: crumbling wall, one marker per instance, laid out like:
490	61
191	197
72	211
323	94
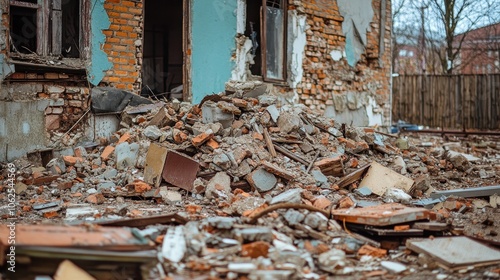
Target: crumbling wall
343	57
5	68
68	96
338	61
123	44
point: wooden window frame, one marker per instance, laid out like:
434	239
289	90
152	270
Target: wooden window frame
263	40
49	23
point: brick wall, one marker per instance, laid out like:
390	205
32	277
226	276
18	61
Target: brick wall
68	94
124	44
4	25
324	76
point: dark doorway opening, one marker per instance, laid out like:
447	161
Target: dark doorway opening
162	69
252	31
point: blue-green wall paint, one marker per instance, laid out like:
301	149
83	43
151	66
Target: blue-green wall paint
213	32
99	62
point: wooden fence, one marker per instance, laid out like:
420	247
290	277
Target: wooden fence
448	101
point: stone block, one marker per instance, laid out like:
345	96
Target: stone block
126	155
219	186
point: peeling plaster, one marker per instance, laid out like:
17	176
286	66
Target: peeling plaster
357	17
337	55
243	58
22	127
99	62
353	108
241	16
297	30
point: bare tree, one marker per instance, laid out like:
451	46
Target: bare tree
457	18
441	30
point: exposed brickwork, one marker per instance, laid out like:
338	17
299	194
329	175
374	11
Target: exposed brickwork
324	76
69	95
124	44
4	25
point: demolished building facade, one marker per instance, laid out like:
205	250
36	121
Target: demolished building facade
332	56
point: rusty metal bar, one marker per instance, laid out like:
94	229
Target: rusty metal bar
455	132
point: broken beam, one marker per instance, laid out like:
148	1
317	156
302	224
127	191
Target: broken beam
471	192
290	155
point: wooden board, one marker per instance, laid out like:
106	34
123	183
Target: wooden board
381	215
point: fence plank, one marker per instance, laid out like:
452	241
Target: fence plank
448	101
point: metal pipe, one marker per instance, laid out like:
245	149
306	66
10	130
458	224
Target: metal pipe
446	131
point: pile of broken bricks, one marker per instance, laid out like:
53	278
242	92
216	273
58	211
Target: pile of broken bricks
242	187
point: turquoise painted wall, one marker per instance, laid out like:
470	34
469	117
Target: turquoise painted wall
99	62
213	32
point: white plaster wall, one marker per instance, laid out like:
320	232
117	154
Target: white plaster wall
297	40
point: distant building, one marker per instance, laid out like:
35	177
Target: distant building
480	51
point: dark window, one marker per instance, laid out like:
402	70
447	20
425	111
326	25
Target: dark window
47	27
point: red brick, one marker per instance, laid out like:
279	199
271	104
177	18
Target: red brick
107	152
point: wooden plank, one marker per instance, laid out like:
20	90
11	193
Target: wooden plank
24	4
470	192
56	32
56	5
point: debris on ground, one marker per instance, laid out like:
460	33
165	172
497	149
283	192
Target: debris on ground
243	187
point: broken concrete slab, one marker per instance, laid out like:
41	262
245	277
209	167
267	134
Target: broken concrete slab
455	252
380	178
155	161
126	155
180	170
152	132
290	196
174	244
393	267
219	186
261	180
211	114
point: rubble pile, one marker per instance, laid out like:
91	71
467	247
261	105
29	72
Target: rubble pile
241	187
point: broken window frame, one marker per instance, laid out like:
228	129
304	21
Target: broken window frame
282	4
48	28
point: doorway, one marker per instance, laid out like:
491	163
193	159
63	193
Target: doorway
163	63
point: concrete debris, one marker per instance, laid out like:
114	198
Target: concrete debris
259	191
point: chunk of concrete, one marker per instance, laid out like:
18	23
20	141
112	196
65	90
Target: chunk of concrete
170	196
316	221
222	160
174	244
288	122
219	186
262	180
294	217
332	260
152	132
273	112
155	161
255	234
290	196
211	114
220	222
126	155
380	178
393	267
